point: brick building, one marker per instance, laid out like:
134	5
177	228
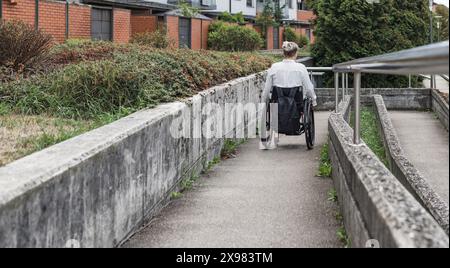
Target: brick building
118	20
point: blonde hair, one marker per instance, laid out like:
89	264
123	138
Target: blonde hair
289	48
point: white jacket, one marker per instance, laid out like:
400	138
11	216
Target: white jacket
288	73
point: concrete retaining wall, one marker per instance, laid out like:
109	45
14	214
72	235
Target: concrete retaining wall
375	205
405	171
440	107
94	190
398	98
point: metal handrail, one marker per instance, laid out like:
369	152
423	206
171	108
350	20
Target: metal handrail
431	59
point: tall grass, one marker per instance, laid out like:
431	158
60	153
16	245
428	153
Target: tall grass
130	80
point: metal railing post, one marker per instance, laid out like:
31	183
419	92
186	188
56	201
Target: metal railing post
336	88
409	81
343	84
432	85
346	82
356	97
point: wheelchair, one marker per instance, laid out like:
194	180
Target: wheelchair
295	115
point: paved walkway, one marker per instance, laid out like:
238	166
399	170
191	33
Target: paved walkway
441	84
258	199
426	144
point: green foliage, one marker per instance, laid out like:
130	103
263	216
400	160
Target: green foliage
350	29
271	15
131	78
175	195
227	37
325	162
342	236
155	39
291	36
22	48
187	10
370	132
229	147
211	164
442	32
236	18
332	196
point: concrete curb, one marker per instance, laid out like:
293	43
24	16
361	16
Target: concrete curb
379	206
405	171
440	107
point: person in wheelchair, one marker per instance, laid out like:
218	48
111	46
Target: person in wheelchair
288	85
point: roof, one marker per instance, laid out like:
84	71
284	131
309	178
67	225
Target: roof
131	4
179	13
217	13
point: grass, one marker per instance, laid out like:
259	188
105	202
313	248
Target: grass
21	135
230	147
325	162
332	196
343	236
341	232
370	133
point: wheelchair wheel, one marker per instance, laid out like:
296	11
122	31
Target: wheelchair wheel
309	125
267	125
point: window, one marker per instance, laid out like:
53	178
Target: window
206	2
250	3
290	4
308	34
301	5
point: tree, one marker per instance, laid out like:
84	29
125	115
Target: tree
442	11
228	17
350	29
271	15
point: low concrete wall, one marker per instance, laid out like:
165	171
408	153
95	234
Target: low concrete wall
440	107
405	171
374	204
96	189
398	98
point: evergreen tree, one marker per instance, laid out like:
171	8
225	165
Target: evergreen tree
350	29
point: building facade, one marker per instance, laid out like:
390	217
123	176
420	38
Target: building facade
118	20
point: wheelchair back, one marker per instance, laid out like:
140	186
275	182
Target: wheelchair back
290	109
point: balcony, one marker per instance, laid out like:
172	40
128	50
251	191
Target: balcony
201	4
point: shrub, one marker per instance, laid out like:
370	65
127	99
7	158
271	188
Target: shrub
156	39
133	80
291	36
21	46
226	37
236	18
78	50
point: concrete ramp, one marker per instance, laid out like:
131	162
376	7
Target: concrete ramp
258	199
426	144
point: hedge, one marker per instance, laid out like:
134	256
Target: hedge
230	37
129	77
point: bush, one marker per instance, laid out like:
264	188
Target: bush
22	48
291	36
133	80
156	39
78	50
226	37
236	18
